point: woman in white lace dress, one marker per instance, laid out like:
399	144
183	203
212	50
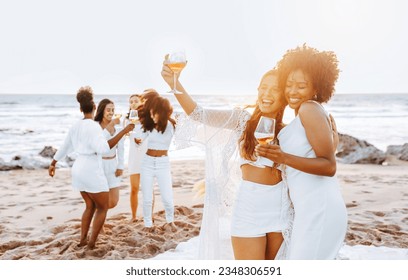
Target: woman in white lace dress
261	205
307	77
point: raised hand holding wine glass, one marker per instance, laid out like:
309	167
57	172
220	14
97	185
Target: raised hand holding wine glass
264	134
176	61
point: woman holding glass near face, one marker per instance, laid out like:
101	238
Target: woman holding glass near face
261	204
137	148
113	162
307	77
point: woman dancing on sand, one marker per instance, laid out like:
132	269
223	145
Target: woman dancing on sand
155	163
113	161
262	208
85	138
307	77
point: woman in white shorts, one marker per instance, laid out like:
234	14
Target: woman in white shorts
113	161
261	207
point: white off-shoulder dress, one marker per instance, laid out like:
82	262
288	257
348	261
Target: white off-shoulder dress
320	222
86	139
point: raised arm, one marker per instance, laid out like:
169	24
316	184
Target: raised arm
216	118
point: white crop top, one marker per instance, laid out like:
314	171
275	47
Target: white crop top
161	141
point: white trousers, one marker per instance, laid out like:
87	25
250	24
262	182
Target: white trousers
159	168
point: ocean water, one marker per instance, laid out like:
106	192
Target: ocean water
30	122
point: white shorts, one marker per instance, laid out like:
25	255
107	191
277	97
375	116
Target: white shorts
257	210
109	168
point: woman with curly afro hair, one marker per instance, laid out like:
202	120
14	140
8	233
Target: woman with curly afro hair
307	78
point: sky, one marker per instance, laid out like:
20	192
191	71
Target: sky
117	47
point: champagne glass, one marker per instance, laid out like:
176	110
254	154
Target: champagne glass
264	134
176	62
133	116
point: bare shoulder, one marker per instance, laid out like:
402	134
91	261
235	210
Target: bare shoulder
311	111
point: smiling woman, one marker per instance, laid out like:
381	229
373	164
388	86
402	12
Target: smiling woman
260	215
113	162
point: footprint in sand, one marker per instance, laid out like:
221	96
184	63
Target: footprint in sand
351	204
58	229
182	210
377	213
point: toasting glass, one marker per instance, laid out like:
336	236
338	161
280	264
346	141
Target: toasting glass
264	134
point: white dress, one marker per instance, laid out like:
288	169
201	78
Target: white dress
320	221
86	139
136	151
114	159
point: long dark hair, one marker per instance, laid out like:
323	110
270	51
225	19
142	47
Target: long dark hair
101	108
144	111
162	107
248	140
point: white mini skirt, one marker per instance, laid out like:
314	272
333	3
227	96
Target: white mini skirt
257	210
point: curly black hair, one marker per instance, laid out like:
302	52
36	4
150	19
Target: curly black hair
85	98
321	66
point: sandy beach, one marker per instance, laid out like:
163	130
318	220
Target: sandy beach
40	216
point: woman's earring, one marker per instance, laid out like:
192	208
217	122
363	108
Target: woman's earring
315	97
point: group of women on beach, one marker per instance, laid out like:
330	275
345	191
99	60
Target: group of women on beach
289	208
97	140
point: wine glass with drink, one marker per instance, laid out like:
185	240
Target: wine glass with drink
264	134
133	116
176	61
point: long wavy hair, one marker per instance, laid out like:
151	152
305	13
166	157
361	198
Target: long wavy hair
101	109
248	140
161	106
144	111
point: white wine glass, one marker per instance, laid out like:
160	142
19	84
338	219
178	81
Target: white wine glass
264	134
133	116
117	116
176	61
